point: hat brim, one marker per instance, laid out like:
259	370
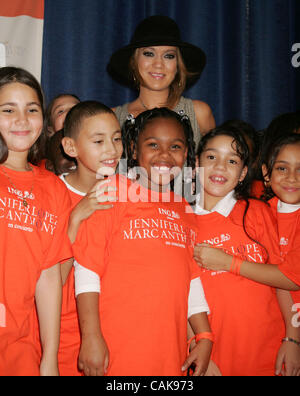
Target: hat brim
194	59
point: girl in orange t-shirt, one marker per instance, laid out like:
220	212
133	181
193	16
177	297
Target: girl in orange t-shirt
281	170
142	251
33	224
246	318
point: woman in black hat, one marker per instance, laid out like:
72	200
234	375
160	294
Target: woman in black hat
161	66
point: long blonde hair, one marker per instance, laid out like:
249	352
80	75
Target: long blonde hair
178	84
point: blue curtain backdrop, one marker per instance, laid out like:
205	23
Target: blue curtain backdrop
249	74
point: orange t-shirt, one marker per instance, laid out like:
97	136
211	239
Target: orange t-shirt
288	229
33	238
245	316
69	331
142	252
290	267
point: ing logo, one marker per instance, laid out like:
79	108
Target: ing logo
2	316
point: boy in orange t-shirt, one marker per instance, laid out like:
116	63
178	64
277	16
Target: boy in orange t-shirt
83	125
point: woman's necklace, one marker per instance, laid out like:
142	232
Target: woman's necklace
26	194
143	104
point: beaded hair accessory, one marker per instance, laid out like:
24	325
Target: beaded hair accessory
183	115
130	118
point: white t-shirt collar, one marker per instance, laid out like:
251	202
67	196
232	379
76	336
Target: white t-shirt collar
223	207
69	187
283	207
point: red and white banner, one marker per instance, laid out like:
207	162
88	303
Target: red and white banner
21	34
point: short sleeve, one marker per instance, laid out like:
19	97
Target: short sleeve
86	281
290	267
262	226
195	270
60	248
91	245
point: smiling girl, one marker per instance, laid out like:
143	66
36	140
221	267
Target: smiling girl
285	275
229	221
33	225
142	251
281	170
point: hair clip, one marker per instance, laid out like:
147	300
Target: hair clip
183	115
130	118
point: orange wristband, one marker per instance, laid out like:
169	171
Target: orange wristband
199	337
236	264
204	336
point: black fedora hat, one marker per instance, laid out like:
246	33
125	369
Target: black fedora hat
157	30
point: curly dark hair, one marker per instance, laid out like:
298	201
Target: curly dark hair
240	144
132	129
270	158
283	125
242	190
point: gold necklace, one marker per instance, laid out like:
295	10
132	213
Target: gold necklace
24	201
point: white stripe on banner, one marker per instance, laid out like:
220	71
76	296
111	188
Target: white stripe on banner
22	37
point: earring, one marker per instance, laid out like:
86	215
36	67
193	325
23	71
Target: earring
135	81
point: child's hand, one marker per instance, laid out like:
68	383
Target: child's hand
91	202
49	367
213	370
288	360
199	357
93	356
212	258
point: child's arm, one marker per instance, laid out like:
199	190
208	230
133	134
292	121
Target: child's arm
48	297
288	358
94	355
215	259
90	204
197	304
200	355
93	201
